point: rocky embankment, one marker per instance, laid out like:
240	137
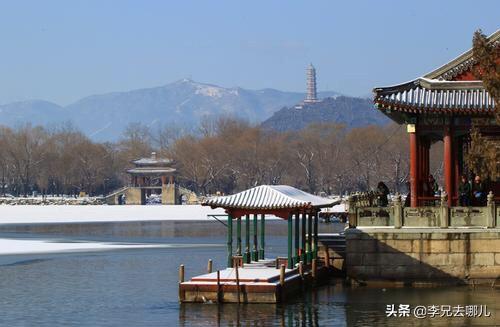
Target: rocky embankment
52	201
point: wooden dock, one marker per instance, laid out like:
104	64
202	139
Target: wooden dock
257	282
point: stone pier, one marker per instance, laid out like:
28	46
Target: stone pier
423	255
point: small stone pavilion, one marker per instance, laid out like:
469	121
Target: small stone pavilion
149	176
152	175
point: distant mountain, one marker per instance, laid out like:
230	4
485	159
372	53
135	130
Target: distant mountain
350	111
33	111
185	102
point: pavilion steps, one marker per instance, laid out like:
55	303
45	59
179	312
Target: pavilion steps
336	245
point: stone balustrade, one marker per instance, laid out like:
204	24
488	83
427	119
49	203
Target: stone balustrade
440	216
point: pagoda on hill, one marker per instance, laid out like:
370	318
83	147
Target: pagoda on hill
311	96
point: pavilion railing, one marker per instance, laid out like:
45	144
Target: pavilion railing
440	216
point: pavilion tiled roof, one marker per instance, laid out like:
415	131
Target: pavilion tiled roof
434	96
152	161
150	170
460	64
270	197
436	92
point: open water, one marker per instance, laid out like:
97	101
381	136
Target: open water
139	288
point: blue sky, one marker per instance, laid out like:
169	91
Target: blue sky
64	50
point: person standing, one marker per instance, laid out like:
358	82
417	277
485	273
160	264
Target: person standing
479	192
382	193
433	186
464	192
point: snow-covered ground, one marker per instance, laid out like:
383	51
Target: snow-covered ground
37	246
32	246
26	214
33	214
21	214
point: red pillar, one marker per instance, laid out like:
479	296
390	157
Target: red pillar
456	168
448	168
414	169
427	158
421	164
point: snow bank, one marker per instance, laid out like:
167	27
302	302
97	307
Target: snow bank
102	213
33	246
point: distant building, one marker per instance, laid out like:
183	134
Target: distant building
152	176
311	96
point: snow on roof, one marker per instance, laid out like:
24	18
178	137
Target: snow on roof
269	197
152	161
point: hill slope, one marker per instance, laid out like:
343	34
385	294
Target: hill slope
352	112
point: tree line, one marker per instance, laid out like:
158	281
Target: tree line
223	155
227	155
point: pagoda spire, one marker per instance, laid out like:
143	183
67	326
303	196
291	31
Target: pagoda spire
311	96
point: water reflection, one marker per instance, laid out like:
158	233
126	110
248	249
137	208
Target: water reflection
139	288
337	305
303	310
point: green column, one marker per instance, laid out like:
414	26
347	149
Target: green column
297	237
262	235
255	252
247	239
290	236
309	237
229	241
238	236
303	239
315	249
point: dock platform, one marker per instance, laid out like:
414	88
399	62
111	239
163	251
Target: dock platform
257	282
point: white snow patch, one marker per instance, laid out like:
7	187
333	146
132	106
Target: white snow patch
26	214
209	91
336	208
20	214
36	246
94	133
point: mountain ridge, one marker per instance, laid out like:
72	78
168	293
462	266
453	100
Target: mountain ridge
103	117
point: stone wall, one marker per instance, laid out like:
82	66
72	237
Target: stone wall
423	255
134	195
169	194
53	201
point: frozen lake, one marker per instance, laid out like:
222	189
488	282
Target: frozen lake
131	280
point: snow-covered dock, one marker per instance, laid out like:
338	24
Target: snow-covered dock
257	282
